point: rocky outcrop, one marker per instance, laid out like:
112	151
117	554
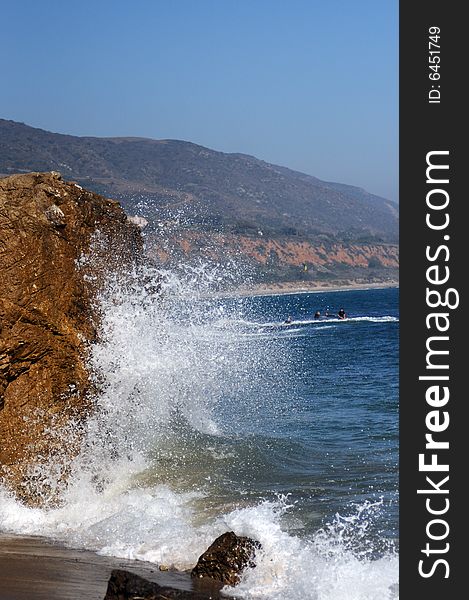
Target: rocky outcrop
221	564
123	585
227	558
47	291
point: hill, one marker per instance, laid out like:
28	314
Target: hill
220	204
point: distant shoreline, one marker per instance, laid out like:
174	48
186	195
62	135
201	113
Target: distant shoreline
284	289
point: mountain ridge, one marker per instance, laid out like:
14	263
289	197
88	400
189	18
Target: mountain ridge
189	187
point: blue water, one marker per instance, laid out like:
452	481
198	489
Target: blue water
329	437
215	415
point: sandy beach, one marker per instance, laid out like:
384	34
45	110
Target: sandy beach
35	568
308	288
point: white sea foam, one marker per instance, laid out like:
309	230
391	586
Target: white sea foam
324	321
159	525
136	491
326	567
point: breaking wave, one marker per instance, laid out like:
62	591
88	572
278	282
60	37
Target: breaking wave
167	464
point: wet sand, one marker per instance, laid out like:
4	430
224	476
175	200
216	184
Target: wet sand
32	568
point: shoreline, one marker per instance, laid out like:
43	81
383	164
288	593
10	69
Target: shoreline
33	566
285	289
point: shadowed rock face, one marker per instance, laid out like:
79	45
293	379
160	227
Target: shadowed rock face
127	586
46	315
226	558
221	564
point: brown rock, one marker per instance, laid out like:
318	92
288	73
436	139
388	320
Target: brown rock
226	558
46	317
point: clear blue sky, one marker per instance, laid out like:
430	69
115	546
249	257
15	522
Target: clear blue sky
308	84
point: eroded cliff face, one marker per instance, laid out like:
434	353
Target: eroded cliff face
46	315
282	259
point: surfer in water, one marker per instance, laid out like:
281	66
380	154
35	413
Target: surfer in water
288	320
317	315
341	314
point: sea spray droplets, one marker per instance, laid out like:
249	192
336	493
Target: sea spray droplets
164	361
350	533
331	566
177	423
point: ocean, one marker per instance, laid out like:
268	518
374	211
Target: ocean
215	415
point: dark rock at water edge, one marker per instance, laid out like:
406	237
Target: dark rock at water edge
227	558
221	564
127	586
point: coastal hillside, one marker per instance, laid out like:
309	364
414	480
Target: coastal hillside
284	225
